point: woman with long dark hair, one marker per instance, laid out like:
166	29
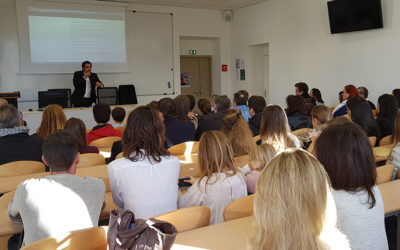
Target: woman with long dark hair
345	152
316	96
361	113
145	179
387	112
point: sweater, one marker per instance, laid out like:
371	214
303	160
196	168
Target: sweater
146	188
20	147
364	227
255	123
217	194
57	204
245	111
340	109
102	131
178	131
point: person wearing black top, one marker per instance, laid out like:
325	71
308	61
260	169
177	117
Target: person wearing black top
361	114
302	90
85	83
297	113
15	142
214	121
256	107
364	93
387	112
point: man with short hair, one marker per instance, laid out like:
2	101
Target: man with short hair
101	113
61	202
364	93
302	89
15	142
256	108
85	83
240	102
214	121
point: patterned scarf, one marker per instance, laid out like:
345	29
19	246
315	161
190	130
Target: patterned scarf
13	131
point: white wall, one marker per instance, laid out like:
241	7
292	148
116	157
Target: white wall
187	22
206	47
301	48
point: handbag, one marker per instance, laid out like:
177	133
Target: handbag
124	232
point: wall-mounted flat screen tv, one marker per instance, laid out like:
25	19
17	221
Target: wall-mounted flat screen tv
354	15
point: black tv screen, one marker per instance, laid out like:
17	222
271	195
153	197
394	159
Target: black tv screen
354	15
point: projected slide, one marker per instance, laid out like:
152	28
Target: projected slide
60	39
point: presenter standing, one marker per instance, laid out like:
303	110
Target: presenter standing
85	83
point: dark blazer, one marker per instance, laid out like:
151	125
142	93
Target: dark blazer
255	123
80	86
208	123
20	147
178	131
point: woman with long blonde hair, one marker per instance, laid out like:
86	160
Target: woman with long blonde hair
293	206
275	129
238	132
53	119
220	183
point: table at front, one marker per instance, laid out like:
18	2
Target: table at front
228	235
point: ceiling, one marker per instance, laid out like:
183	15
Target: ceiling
199	4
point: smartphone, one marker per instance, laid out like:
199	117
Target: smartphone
182	182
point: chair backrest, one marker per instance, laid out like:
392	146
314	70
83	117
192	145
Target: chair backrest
188	218
120	155
390	196
387	140
239	208
92	238
384	174
91	159
189	147
301	131
105	144
372	140
121	129
21	168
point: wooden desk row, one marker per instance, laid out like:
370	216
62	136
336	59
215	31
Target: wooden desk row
382	153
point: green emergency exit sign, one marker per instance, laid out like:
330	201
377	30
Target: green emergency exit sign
192	52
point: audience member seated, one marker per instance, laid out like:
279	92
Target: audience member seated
256	107
221	182
191	114
204	107
53	119
340	96
240	102
60	202
387	112
297	113
3	101
275	129
101	113
289	212
349	92
214	121
238	132
145	179
15	142
363	91
183	111
178	129
396	94
394	158
345	152
259	157
320	115
118	115
302	90
360	113
316	97
78	129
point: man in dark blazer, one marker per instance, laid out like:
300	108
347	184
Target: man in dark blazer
85	83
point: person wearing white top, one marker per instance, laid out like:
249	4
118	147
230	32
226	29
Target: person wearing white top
351	169
145	181
221	182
